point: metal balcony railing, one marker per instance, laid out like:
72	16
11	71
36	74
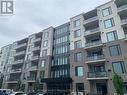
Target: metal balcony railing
18	61
93	43
97	74
95	58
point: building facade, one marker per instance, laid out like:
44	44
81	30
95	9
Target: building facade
81	55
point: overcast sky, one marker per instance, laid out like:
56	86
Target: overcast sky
32	16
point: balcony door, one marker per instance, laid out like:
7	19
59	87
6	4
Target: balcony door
101	88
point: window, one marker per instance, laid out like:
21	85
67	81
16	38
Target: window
78	44
79	71
77	33
46	34
119	67
109	23
111	36
45	43
106	11
44	52
43	63
115	50
78	57
77	23
125	87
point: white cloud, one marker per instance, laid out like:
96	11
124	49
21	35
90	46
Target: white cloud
35	15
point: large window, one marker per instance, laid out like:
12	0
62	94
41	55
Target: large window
46	34
78	44
45	43
78	57
115	50
79	71
77	23
43	63
77	33
109	23
106	11
119	67
125	87
111	36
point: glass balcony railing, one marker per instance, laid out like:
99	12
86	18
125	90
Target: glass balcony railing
124	21
93	43
20	53
90	19
31	78
88	32
95	58
121	8
97	74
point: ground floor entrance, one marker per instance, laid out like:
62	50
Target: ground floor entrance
58	86
101	88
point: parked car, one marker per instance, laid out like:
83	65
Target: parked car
40	93
7	91
18	93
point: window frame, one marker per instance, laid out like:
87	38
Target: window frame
75	23
111	22
118	50
122	64
114	34
109	11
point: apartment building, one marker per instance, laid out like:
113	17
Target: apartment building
81	55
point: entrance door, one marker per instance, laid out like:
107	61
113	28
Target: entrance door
101	88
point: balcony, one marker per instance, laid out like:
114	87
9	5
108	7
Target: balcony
13	80
16	70
33	68
36	48
95	59
18	61
122	8
37	40
90	20
21	45
93	44
124	21
93	31
97	75
31	78
35	58
20	53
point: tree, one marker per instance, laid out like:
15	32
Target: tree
18	85
118	84
36	86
